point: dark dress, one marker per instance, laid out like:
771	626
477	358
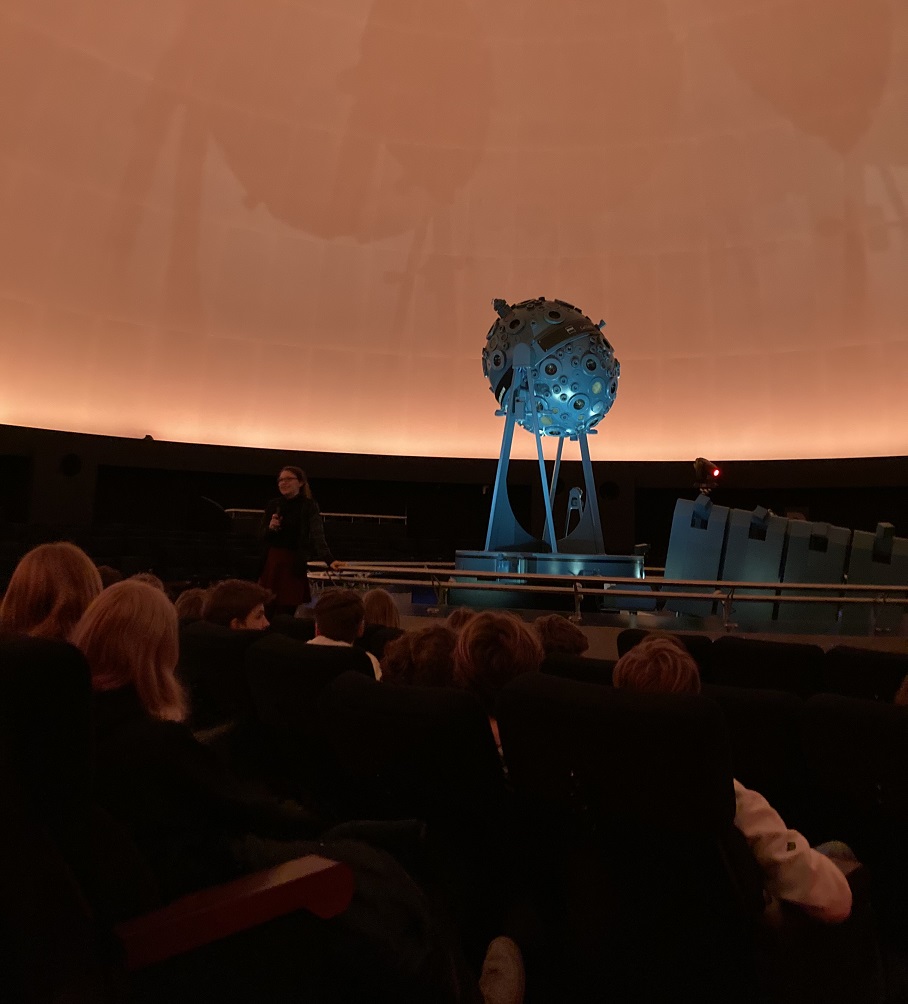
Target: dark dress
300	539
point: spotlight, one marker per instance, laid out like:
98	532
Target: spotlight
706	474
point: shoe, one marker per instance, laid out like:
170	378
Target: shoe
503	980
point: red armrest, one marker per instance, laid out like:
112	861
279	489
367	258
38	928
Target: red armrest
314	883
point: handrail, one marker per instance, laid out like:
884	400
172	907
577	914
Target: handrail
365	515
620	580
576	586
723	592
335	515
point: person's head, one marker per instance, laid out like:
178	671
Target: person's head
901	695
109	575
150	579
291	481
380	608
237	604
49	591
559	636
340	615
659	664
423	658
458	617
129	638
189	604
492	649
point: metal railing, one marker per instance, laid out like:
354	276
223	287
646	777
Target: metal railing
377	517
442	577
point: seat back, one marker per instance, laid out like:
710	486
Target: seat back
429	753
301	628
862	672
618	748
212	665
857	751
426	752
45	718
767	665
632	797
857	756
764	729
579	667
285	677
48	947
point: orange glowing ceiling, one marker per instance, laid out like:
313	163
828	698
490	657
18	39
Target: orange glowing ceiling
281	224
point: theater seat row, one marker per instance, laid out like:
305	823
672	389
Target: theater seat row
800	668
379	751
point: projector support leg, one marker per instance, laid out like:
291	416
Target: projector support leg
556	470
591	502
504	530
549	535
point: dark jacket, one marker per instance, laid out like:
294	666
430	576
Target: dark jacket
178	801
301	531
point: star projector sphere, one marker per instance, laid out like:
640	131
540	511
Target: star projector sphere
571	370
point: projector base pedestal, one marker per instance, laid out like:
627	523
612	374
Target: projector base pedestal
559	569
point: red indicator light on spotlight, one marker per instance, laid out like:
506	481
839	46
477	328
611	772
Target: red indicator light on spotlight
706	473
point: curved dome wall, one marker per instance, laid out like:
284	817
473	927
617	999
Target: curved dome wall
281	223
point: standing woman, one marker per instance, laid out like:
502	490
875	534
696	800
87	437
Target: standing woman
295	534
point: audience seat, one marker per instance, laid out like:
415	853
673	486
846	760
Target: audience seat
764	730
857	755
428	753
862	672
579	667
647	890
212	666
300	628
631	798
285	677
768	665
60	888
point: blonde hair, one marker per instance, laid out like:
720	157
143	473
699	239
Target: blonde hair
381	608
492	649
151	579
458	617
49	591
559	636
424	657
660	664
189	603
129	637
